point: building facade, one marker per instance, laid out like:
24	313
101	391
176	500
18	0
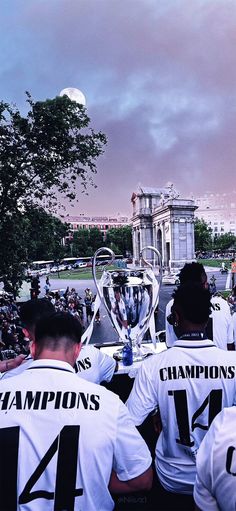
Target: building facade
218	210
103	223
164	220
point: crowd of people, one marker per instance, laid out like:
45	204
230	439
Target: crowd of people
88	448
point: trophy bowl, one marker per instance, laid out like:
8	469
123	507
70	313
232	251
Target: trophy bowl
130	296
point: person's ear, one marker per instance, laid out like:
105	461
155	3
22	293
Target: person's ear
32	349
176	318
26	333
77	350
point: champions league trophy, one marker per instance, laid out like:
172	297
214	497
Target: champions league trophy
130	296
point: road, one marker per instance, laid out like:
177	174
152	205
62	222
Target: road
104	332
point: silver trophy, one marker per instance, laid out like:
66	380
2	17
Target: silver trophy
130	296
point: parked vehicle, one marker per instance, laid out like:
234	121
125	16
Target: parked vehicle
171	279
54	269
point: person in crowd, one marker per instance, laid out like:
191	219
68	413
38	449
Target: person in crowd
91	365
232	304
47	417
47	285
215	485
12	363
12	347
88	304
97	318
189	384
220	324
232	300
212	285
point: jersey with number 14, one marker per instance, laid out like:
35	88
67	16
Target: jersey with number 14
60	438
190	383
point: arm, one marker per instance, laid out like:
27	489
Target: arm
140	483
131	470
7	365
231	346
143	398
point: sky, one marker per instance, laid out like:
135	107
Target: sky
159	77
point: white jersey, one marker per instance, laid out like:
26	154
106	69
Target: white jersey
91	365
60	438
222	323
190	383
215	486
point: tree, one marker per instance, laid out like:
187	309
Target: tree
224	241
12	251
87	241
25	237
46	153
121	239
81	243
43	234
95	239
203	235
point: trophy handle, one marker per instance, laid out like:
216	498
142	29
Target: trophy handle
99	251
154	249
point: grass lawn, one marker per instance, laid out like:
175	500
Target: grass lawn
81	273
215	263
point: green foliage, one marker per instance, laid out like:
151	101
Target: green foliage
224	241
120	239
43	234
86	242
48	151
202	235
26	237
12	251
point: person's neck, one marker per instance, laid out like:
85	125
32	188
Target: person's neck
55	355
191	328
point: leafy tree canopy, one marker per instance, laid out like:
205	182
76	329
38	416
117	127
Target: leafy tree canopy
203	235
45	153
25	237
224	241
87	241
120	239
48	151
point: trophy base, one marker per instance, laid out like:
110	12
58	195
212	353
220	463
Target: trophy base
139	354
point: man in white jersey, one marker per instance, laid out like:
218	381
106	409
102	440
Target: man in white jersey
189	383
220	324
215	486
65	443
92	364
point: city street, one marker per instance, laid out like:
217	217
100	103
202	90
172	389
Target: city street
104	332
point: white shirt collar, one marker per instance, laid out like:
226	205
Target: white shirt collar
49	362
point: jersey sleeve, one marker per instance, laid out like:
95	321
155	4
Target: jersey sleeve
230	329
131	454
143	397
106	366
203	488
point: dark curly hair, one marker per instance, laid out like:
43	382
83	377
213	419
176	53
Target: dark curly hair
194	301
192	272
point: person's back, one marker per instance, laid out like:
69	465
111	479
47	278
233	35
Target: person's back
47	425
55	413
220	324
92	364
215	485
189	383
